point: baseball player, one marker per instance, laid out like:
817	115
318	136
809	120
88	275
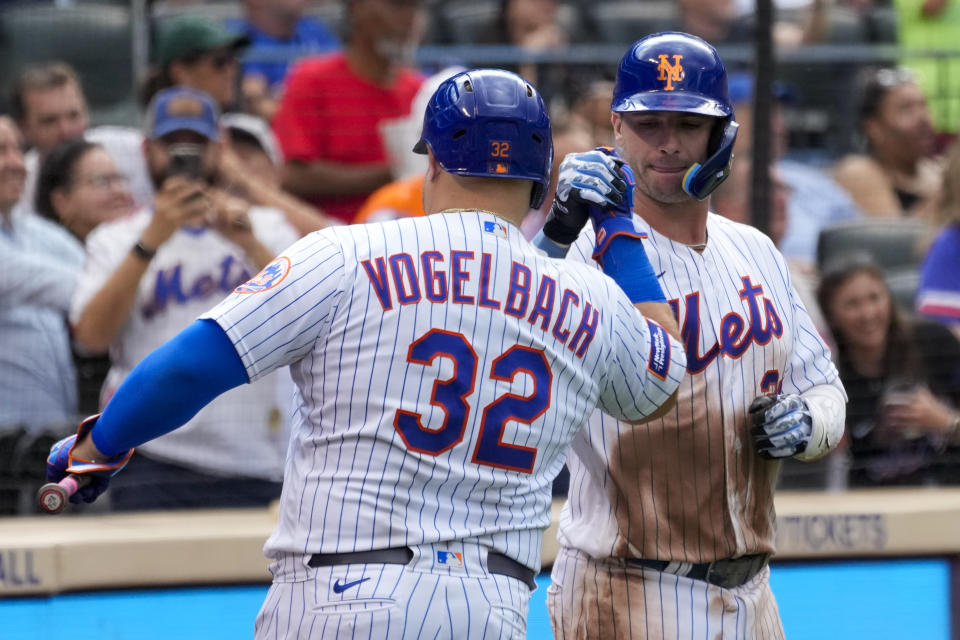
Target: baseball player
443	366
668	528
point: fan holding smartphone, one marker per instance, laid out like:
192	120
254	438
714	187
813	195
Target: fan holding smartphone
150	274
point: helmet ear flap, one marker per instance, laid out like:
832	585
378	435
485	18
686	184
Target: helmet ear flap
702	179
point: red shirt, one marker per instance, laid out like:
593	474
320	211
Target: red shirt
329	113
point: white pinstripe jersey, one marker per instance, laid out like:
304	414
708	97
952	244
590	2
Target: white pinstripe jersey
690	487
443	366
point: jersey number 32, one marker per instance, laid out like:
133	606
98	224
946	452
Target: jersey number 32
451	395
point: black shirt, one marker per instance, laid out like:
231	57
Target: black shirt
881	455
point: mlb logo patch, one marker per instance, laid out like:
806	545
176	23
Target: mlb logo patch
495	228
450	559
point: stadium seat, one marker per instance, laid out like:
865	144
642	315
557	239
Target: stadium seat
217	11
893	242
897	245
95	39
466	21
625	21
903	285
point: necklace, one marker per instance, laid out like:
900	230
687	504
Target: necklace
701	246
471	210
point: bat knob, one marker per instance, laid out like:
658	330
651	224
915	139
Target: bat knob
52	498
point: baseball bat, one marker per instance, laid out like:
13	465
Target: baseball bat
53	496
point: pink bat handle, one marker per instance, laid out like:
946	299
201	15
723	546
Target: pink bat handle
53	496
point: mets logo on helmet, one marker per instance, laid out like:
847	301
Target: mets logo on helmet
271	275
670	73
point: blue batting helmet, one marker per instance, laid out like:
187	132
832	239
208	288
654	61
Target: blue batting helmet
673	71
490	123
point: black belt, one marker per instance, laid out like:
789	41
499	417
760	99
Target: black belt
727	573
496	562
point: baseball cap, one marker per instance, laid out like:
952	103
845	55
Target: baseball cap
182	109
257	129
186	35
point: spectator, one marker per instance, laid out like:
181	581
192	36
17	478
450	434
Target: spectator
279	33
938	295
48	103
39	265
895	177
147	276
195	52
534	26
592	107
902	379
327	120
814	199
79	186
250	166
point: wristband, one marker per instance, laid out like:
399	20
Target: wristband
627	263
610	228
141	251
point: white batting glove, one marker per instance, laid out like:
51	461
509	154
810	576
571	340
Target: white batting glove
591	179
782	425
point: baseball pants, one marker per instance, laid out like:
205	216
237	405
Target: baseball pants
592	599
422	599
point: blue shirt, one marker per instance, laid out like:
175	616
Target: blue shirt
270	57
39	265
938	296
815	202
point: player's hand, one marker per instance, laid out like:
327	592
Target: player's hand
782	425
589	183
61	462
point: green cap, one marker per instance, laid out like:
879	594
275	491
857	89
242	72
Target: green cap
185	35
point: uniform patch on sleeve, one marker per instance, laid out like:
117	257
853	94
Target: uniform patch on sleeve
659	362
269	277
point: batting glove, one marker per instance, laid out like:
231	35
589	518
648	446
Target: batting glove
589	183
61	462
782	425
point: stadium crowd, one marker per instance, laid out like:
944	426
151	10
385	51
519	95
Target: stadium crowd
264	120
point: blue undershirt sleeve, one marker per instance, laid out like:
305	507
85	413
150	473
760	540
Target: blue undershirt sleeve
169	387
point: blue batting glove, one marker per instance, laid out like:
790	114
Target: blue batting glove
782	425
588	183
61	462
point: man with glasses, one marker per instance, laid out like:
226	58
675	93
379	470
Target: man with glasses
147	276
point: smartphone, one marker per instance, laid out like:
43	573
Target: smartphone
186	160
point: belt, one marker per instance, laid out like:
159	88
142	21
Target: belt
496	562
726	573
